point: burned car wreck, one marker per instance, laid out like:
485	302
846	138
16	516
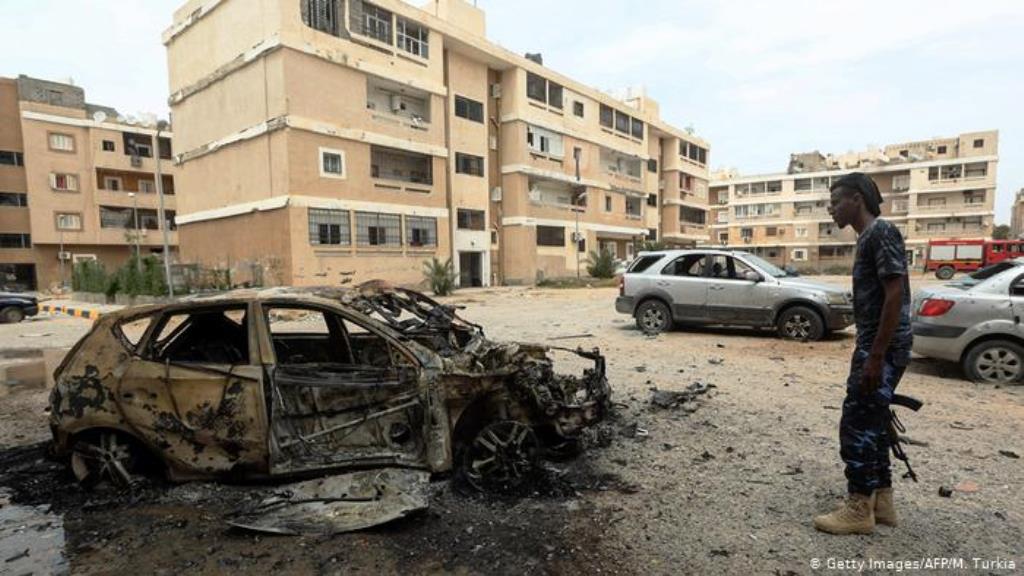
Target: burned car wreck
286	382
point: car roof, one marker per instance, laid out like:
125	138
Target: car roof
687	251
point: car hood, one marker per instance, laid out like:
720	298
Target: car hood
811	284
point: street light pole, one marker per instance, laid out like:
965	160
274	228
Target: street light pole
135	215
163	215
577	196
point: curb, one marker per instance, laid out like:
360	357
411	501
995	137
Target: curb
76	312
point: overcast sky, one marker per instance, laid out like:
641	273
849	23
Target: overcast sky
757	79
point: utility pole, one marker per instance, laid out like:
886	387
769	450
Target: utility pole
579	193
162	124
60	259
135	215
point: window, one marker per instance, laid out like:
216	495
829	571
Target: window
746	233
555	95
112	183
394	164
979	142
329	227
622	122
638	129
147	186
550	236
469	109
137	144
373	229
544	141
729	268
936	227
542	90
607	203
10	158
420	231
607	116
652	165
771	231
108	146
799	255
652	234
976	170
470	219
774	187
323	15
376	23
68	221
634	206
690	265
940	150
332	163
577	108
15	240
652	200
974	197
469	164
62	142
64	182
413	38
13	199
112	217
217	335
800	231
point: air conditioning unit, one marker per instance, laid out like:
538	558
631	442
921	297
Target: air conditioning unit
496	194
495	90
577	236
136	161
64	256
396	103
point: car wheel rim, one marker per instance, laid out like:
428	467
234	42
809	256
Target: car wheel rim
653	319
998	365
106	457
503	455
798	326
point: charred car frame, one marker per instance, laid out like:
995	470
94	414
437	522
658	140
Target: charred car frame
285	382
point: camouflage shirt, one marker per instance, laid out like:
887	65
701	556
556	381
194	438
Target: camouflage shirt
880	255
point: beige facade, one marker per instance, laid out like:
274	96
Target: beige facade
70	186
932	189
355	140
1017	216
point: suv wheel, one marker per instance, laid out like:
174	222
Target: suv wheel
12	315
995	361
945	272
800	323
653	316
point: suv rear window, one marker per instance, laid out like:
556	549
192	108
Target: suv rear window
644	262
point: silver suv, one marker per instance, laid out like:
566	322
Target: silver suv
728	288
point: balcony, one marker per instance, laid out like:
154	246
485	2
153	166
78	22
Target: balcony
397	105
400	170
691	229
950	231
948	207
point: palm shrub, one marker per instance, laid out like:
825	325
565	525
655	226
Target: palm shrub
440	276
601	264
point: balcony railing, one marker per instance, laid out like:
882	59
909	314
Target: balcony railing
688	228
949	207
952	230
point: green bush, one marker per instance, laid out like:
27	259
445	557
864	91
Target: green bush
837	270
135	277
601	264
440	276
89	276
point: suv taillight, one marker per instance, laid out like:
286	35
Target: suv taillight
935	307
622	285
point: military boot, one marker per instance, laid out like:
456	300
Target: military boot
855	516
885	510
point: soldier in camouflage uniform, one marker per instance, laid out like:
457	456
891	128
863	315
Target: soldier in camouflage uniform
881	294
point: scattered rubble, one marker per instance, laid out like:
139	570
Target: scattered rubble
680	398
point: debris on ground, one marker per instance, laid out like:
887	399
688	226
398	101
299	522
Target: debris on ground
680	398
945	492
957	425
1009	454
967	487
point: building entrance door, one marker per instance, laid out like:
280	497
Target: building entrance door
471	266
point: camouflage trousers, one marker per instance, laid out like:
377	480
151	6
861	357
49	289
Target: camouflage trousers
864	428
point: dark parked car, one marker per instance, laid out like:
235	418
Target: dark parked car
15	307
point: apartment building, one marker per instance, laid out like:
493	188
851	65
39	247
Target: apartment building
77	182
333	141
932	189
1017	216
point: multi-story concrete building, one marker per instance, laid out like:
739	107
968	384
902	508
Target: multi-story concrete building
75	178
327	140
1017	216
939	188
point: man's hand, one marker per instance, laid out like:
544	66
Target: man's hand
871	376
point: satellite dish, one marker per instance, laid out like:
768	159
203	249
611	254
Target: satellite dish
99	116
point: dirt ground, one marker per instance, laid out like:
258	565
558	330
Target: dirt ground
724	485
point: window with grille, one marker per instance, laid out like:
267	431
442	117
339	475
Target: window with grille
421	231
15	241
332	163
469	109
329	227
64	182
323	15
377	23
412	37
467	219
374	229
550	236
469	164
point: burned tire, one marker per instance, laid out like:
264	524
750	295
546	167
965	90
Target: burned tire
945	272
12	315
995	362
800	323
653	317
106	456
502	458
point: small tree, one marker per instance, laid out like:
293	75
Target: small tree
601	264
1001	232
440	276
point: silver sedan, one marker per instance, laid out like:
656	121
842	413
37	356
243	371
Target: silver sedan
978	326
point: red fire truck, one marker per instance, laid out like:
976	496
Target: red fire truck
947	257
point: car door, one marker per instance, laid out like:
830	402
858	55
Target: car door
194	390
684	281
732	297
342	392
